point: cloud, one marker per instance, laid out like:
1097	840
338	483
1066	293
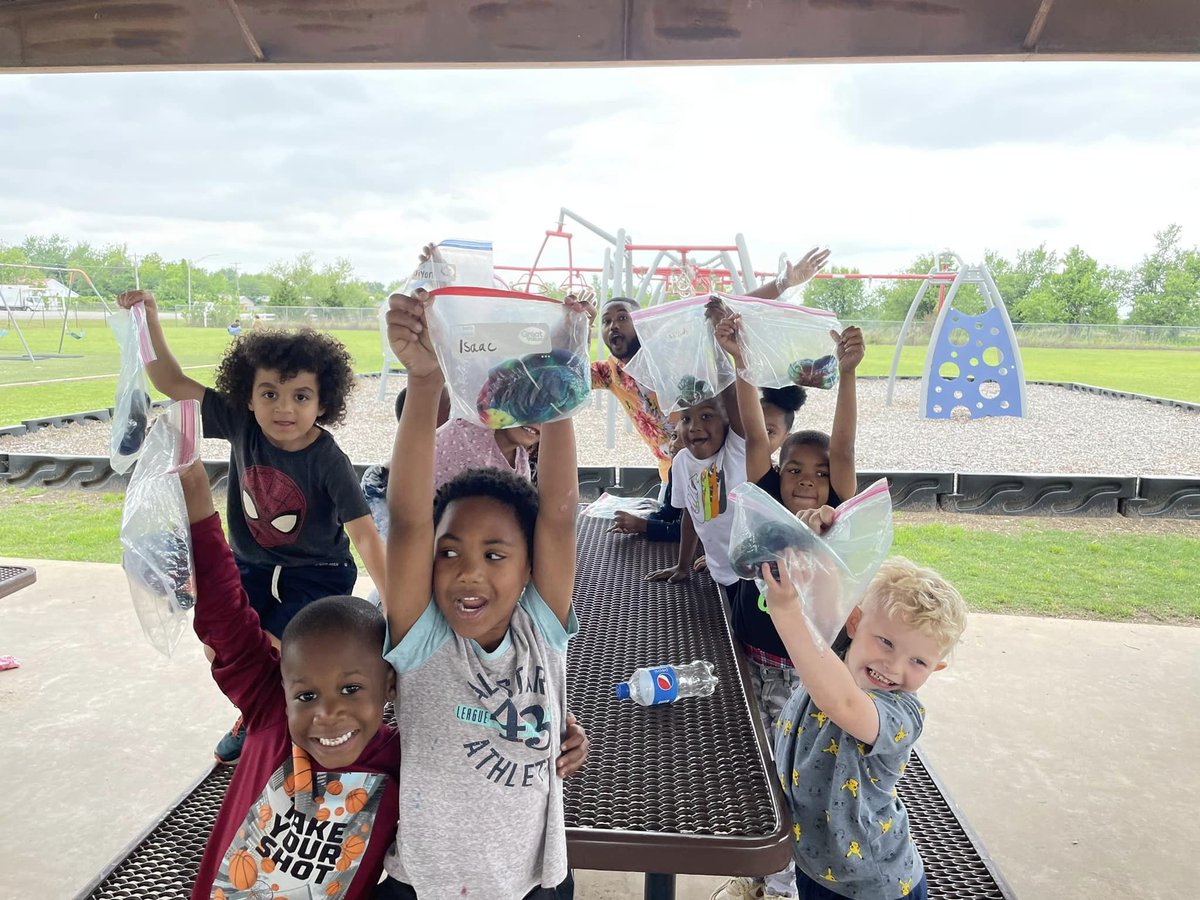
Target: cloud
882	163
963	105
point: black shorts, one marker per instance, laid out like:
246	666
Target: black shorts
279	592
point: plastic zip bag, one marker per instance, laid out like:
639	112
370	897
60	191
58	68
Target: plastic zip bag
509	358
830	572
155	535
455	262
131	412
607	505
680	359
784	344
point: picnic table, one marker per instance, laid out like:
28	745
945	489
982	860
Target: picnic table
688	788
13	578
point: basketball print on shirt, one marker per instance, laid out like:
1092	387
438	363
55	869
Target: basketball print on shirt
273	505
304	836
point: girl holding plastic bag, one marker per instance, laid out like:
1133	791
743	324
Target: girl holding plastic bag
815	470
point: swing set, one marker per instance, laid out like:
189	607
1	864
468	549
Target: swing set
69	307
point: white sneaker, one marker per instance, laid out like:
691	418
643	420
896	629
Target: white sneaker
739	889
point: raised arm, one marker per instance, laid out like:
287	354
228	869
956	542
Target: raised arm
793	275
827	679
409	577
749	407
843	477
165	372
558	507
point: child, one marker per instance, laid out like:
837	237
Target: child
718	455
312	806
809	462
779	407
844	738
462	445
293	496
478	629
664	523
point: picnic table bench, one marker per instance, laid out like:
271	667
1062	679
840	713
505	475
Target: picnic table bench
688	788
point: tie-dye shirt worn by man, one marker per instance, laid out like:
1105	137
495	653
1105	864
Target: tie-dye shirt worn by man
640	405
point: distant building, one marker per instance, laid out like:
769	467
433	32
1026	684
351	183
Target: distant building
48	294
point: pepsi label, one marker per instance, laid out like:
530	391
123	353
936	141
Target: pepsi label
666	684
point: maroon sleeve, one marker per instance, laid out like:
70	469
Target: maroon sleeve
246	666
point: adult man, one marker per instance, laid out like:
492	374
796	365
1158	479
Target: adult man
620	337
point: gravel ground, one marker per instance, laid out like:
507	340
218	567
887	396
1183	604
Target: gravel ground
1065	431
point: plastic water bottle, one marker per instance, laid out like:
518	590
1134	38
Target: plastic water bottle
666	684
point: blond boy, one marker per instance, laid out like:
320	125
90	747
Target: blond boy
844	739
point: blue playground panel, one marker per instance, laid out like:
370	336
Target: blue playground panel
973	366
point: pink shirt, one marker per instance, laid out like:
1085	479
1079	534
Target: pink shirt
461	445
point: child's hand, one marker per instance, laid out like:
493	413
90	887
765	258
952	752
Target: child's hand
850	348
781	590
575	746
428	251
729	333
700	565
715	310
812	263
672	575
408	333
627	523
130	299
818	520
196	493
581	303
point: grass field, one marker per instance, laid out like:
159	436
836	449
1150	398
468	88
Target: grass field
1030	570
1170	373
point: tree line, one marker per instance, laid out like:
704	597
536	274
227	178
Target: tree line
1039	285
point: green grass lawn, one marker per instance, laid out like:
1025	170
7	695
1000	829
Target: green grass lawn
1168	373
1034	571
100	357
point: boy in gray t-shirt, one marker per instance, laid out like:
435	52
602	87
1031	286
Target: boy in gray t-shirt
478	604
844	739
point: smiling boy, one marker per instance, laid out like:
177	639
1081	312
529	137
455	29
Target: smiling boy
312	806
844	739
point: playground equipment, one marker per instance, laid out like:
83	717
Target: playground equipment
676	270
69	304
973	363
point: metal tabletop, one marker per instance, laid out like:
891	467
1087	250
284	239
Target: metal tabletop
13	578
687	788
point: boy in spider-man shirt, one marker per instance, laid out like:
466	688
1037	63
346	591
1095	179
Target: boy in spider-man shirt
294	503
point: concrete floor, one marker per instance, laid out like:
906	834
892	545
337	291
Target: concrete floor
1067	744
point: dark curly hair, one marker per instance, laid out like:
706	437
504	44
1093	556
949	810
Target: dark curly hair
507	487
789	399
289	352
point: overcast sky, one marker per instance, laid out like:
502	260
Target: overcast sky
879	162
